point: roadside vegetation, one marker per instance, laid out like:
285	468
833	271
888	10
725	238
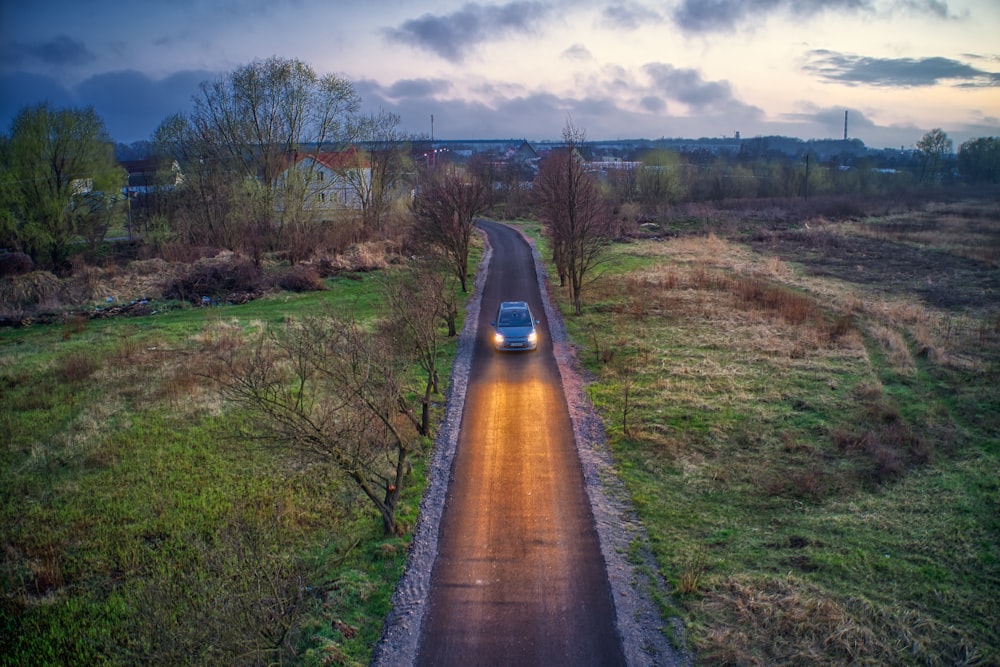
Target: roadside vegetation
804	408
143	521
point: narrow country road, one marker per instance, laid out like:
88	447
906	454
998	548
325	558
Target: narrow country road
519	578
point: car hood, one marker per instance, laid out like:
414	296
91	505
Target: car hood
515	331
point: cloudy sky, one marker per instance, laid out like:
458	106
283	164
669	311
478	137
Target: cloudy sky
522	68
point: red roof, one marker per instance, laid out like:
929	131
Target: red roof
335	161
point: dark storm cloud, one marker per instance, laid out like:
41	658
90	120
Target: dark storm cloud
60	51
451	36
653	104
629	16
897	72
21	89
131	104
724	15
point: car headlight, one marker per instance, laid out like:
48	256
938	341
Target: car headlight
498	337
532	337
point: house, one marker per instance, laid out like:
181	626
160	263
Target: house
328	181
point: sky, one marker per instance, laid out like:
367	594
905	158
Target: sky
616	69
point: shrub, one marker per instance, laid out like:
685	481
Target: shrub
21	292
215	278
15	264
301	278
77	366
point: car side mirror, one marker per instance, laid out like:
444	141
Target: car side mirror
537	321
493	323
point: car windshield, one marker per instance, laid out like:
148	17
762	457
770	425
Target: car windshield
514	318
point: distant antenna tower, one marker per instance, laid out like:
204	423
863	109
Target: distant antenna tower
845	124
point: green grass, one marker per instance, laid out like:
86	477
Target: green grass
809	502
138	527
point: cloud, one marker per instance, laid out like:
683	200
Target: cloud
653	104
418	88
22	89
688	87
896	72
131	104
577	52
831	119
60	51
933	7
629	16
453	35
703	16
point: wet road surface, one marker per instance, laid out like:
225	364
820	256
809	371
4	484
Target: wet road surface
519	578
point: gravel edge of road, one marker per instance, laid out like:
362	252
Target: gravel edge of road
637	618
618	528
401	632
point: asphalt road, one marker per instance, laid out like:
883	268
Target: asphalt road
519	578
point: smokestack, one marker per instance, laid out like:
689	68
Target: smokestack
845	124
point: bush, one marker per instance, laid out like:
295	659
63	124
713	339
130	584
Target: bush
21	292
15	264
215	278
301	278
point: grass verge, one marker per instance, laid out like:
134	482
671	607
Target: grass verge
815	467
136	528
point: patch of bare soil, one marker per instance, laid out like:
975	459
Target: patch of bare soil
939	278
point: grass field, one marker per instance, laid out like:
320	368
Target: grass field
805	415
136	526
813	453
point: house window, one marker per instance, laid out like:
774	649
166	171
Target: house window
322	196
320	176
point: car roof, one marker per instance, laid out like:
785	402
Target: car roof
504	305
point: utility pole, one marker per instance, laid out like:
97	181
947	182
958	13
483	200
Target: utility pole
432	140
845	124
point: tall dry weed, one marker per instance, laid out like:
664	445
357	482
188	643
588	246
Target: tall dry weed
896	349
788	621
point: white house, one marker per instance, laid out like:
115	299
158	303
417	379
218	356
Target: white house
329	181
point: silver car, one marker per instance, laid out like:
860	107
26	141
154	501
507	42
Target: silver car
514	327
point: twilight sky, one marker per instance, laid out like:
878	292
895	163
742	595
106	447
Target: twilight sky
522	68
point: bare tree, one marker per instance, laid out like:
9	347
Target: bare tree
418	303
574	213
379	167
446	206
245	131
329	390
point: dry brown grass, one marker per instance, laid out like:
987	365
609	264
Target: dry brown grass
790	622
31	289
967	230
904	326
77	366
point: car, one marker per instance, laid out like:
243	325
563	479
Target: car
514	327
